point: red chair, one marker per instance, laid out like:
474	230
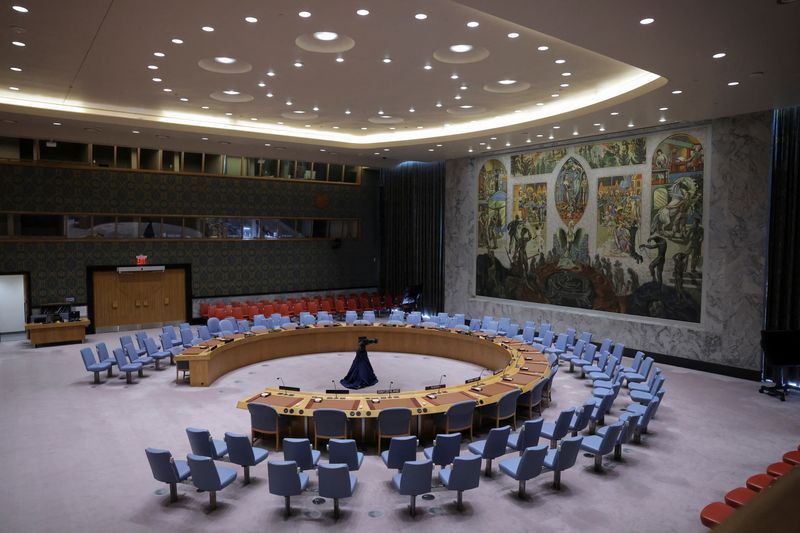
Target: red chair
352	304
268	310
238	313
204	310
252	311
220	313
387	301
792	458
715	513
759	482
284	310
779	469
236	303
299	307
363	301
739	496
313	307
375	302
340	309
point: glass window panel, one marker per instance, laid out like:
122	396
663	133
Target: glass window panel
233	228
4	225
304	171
269	167
306	228
269	228
172	227
102	155
233	165
250	229
192	162
104	226
350	173
78	226
250	166
192	228
41	225
320	229
286	169
150	227
335	230
320	171
215	228
287	229
335	172
127	227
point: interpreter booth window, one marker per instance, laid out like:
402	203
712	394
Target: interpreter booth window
127	227
250	229
172	228
304	171
104	226
286	169
38	225
150	228
288	229
79	226
192	228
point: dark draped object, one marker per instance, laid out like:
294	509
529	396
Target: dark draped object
412	223
783	265
360	374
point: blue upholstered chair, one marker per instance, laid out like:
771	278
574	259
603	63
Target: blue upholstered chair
167	470
299	451
585	336
92	365
580	420
644	397
401	450
140	337
456	322
607	372
490	327
458	417
642	374
475	324
188	339
133	357
286	481
630	422
227	326
307	319
617	379
154	353
329	424
493	447
214	328
541	337
203	334
562	458
446	447
209	477
125	366
555	431
546	340
570	338
503	409
242	453
465	474
513	330
169	330
414	480
243	326
265	420
414	318
324	319
643	386
345	451
602	361
336	482
528	436
635	364
202	444
166	346
586	359
503	325
527	335
644	417
533	398
367	319
560	345
573	353
259	323
525	467
393	422
602	445
396	318
350	317
126	339
102	355
443	319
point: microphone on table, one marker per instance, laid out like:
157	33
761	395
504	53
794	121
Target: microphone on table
481	374
441	378
334	386
281	380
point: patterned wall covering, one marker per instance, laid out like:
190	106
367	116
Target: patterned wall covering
221	268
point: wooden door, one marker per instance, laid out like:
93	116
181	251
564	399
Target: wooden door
139	297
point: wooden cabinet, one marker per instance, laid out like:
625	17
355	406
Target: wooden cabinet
141	297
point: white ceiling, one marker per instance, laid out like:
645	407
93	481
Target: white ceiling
85	65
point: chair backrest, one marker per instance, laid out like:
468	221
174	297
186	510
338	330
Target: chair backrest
507	404
531	462
586	336
213	325
581	418
619	348
609	440
240	451
162	465
588	352
401	450
394	421
561	341
442	319
150	346
645	370
350	317
330	423
490	326
262	416
601	361
474	324
529	434
204	472
537	391
102	351
466	473
528	334
334	481
140	337
260	320
166	342
547	338
414	318
545	327
570	336
298	451
343	451
651	409
530	324
657	383
577	350
186	337
131	352
567	453
243	325
369	316
605	345
628	430
416	478
487	318
446	447
496	442
119	356
125	339
637	361
88	357
284	479
503	324
459	415
200	441
167	330
562	423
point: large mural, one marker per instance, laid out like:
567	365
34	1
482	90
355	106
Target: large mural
588	234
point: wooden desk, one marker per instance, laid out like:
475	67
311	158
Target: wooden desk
57	332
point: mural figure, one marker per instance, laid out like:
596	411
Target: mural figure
533	163
572	191
492	187
615	153
619	203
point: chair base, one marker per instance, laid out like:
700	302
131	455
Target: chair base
212	500
246	475
96	378
173	492
557	480
521	493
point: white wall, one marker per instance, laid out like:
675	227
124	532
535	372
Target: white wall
12	303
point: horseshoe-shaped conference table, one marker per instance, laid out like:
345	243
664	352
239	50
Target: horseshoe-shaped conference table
513	364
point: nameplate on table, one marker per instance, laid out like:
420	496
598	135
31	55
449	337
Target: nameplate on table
472	380
499	370
436	387
286	387
387	391
337	391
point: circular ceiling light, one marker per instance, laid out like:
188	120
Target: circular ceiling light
298	64
157	80
20	9
420	16
614	113
325	42
15	69
14	88
183	99
251	20
362	12
177	41
387	59
543	48
208	29
204	107
513	35
647	21
340	59
231	92
733	83
304	14
152	67
507	82
560	61
18	43
325	35
566	74
466	110
473	24
302	115
167	90
663	108
427	67
461	48
262	84
677	91
224	65
454	76
564	85
228	96
507	86
385	119
719	55
158	54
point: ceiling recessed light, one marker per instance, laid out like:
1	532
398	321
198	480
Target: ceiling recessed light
488	147
253	118
677	91
204	107
177	41
527	140
167	90
513	35
363	127
231	92
454	76
733	83
470	150
565	74
646	21
340	59
386	149
492	138
463	87
152	67
270	73
18	43
336	127
596	124
376	153
251	20
270	95
228	114
473	24
461	48
411	109
560	61
280	123
267	144
315	108
427	67
304	14
430	149
262	84
574	132
288	102
662	119
298	111
380	111
556	127
387	59
602	129
539	135
507	82
564	85
663	108
465	106
20	9
614	113
438	104
543	48
135	132
159	54
183	99
508	143
15	69
554	95
347	111
322	150
540	103
482	144
719	55
225	60
420	16
551	137
457	97
325	35
298	64
362	12
207	28
630	124
58	124
420	127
